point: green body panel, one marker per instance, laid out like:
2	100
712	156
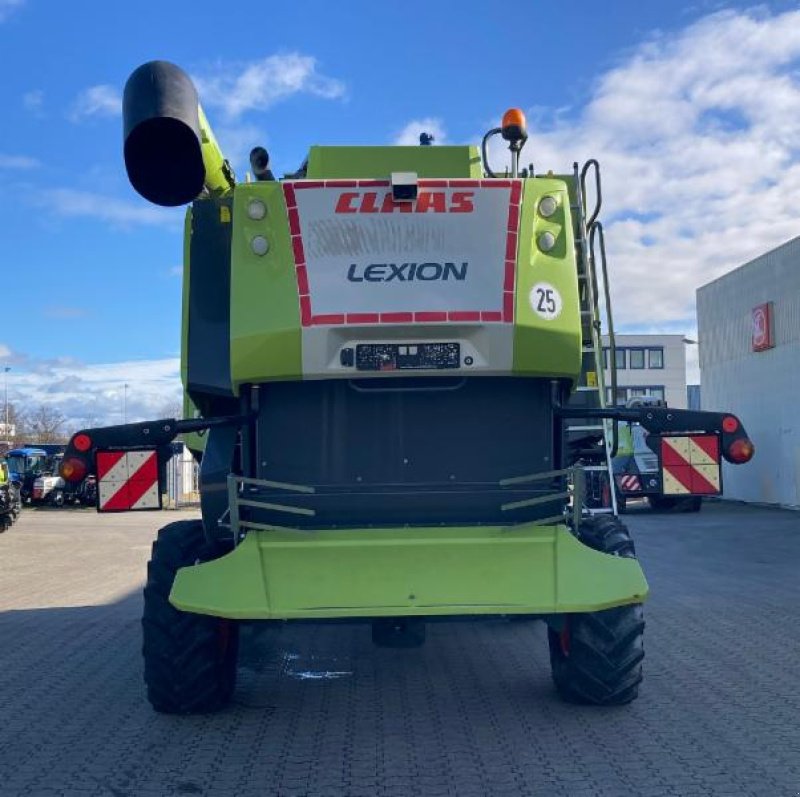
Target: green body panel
526	569
217	178
546	347
265	314
380	162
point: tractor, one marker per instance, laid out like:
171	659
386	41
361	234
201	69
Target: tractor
392	359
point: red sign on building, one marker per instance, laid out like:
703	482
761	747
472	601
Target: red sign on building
763	335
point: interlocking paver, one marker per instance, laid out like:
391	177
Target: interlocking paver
471	713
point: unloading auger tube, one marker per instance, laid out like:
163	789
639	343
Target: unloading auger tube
171	154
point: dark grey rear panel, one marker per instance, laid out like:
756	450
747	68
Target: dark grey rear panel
405	451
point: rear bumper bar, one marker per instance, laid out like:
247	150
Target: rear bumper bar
525	569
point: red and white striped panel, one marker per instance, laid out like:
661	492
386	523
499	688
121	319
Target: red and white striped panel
127	481
630	483
690	465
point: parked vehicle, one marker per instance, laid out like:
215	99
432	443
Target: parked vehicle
396	355
25	465
51	488
640	472
10	502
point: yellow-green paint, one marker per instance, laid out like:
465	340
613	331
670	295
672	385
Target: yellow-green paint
379	162
542	347
217	178
265	312
523	569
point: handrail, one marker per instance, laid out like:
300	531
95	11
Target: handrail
592	162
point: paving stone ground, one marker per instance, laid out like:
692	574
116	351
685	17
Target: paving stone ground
320	711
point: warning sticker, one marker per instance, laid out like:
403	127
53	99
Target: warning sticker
362	257
127	481
690	465
546	301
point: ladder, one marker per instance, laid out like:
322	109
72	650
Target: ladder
591	443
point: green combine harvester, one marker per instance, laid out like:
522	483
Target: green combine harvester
391	356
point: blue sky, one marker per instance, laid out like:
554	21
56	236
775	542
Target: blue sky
692	108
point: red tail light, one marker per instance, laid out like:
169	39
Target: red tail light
741	450
82	442
73	469
730	424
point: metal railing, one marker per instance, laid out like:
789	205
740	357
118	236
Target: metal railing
246	493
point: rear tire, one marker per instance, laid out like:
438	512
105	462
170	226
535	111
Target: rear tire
596	657
189	659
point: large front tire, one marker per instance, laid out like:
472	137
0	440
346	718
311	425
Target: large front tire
189	659
596	657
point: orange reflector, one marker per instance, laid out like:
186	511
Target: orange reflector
73	469
82	442
514	117
730	424
741	450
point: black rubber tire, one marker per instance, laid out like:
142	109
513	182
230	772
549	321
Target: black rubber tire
398	632
189	659
596	657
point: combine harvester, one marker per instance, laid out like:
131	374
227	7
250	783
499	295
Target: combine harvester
393	356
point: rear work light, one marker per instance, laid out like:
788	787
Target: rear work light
740	451
73	469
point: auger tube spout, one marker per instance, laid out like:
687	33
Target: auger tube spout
171	154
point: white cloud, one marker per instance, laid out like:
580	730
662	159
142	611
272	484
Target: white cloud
409	135
90	395
101	100
7	7
18	162
698	135
257	85
33	100
70	203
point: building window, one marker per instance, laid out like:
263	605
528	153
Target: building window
622	395
605	358
637	359
620	359
656	392
655	358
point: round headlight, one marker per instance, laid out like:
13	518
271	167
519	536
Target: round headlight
547	206
259	245
256	209
546	241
